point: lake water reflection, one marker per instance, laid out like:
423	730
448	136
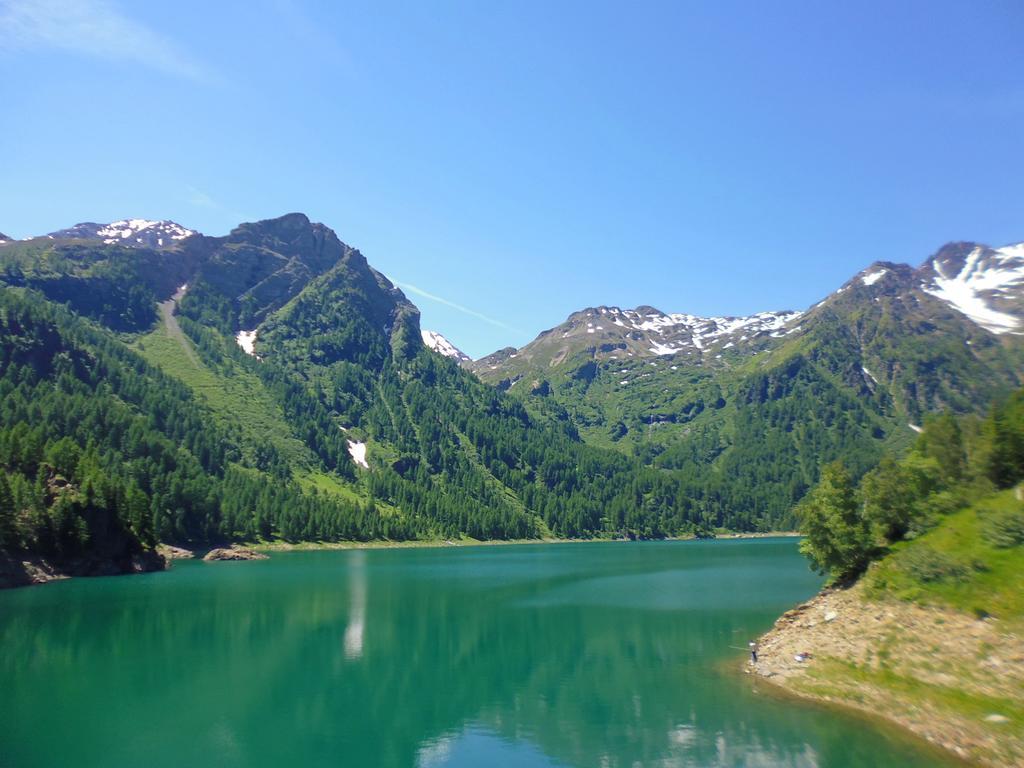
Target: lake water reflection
543	655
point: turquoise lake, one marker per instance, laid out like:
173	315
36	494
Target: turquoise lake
596	655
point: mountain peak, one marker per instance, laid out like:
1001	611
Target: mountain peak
441	345
144	233
289	224
605	333
985	284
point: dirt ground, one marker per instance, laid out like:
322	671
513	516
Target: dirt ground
953	679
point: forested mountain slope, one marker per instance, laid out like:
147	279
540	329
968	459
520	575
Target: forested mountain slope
282	389
160	384
748	409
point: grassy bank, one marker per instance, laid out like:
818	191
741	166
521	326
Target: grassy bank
931	638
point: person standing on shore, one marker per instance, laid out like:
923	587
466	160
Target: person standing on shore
753	652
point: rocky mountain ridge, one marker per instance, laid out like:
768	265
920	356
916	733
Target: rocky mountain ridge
303	352
983	284
610	333
130	232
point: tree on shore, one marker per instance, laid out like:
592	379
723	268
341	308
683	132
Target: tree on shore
952	462
838	538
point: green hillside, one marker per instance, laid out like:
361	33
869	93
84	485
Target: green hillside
132	414
925	623
748	410
136	417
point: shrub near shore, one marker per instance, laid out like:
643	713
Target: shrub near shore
923	623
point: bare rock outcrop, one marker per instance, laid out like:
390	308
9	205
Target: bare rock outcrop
175	553
233	553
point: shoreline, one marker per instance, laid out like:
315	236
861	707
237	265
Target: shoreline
947	678
23	569
33	571
944	756
313	546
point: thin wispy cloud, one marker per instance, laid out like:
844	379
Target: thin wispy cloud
200	199
458	307
92	28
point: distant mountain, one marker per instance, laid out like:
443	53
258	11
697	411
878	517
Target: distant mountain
609	333
985	285
132	232
4	238
441	345
749	407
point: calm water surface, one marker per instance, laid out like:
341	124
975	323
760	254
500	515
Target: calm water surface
589	655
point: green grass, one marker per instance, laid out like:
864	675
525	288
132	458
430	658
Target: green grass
958	566
842	680
983	579
236	399
327	483
239	402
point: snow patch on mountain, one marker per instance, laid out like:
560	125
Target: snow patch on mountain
986	276
702	331
873	277
135	232
357	451
664	349
246	340
441	345
132	228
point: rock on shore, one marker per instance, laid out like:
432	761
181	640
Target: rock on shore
175	553
23	570
234	553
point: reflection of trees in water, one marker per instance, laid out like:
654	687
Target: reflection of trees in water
368	664
356	628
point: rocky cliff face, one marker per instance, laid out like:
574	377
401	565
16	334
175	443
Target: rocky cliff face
261	265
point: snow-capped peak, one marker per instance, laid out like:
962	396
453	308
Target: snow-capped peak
133	228
441	345
981	284
135	232
668	334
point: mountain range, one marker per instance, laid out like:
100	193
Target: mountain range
271	383
893	344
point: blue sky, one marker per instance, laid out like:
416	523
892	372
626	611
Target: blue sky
509	163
